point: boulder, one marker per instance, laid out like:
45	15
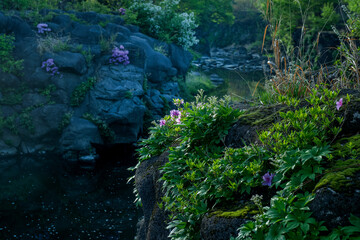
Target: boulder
149	187
79	135
68	62
180	59
89	34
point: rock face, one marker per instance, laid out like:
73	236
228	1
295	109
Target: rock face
44	112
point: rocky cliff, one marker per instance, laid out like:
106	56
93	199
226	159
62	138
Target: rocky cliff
70	94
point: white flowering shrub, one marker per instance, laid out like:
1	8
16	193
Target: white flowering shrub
163	22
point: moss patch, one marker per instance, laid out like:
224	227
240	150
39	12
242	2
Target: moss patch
347	147
240	213
341	177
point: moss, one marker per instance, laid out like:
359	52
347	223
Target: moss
341	177
240	213
347	147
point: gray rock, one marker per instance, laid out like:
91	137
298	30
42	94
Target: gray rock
150	190
39	78
68	62
170	88
220	228
79	135
88	34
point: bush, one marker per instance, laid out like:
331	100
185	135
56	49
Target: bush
163	22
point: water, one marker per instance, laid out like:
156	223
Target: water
40	199
238	85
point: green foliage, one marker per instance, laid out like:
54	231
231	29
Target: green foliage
202	173
195	83
163	21
28	4
65	121
80	91
88	56
307	126
106	133
47	91
52	43
12	96
88	6
199	137
7	62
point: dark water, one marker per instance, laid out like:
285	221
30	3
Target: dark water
40	199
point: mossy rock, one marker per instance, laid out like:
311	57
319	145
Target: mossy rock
246	211
222	224
347	147
341	177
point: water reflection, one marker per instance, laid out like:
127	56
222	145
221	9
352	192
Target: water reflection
239	85
40	200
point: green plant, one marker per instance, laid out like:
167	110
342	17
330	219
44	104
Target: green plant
164	22
80	91
197	129
65	121
28	4
52	43
7	62
106	133
107	44
196	82
306	126
47	91
89	6
13	96
88	55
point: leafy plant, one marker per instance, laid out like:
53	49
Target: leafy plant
106	133
52	43
7	62
80	91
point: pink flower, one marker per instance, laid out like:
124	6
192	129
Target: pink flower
267	179
339	104
175	113
162	122
178	121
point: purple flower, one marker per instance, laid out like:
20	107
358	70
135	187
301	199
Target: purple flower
122	11
178	121
267	179
175	113
119	55
50	67
339	104
162	122
43	27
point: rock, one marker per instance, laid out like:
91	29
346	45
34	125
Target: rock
68	62
89	34
215	227
79	135
180	59
39	79
334	208
158	67
149	187
8	80
216	79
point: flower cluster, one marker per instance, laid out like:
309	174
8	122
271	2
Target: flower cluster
119	55
43	27
50	67
178	102
122	11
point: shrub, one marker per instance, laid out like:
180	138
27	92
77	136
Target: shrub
80	91
163	22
